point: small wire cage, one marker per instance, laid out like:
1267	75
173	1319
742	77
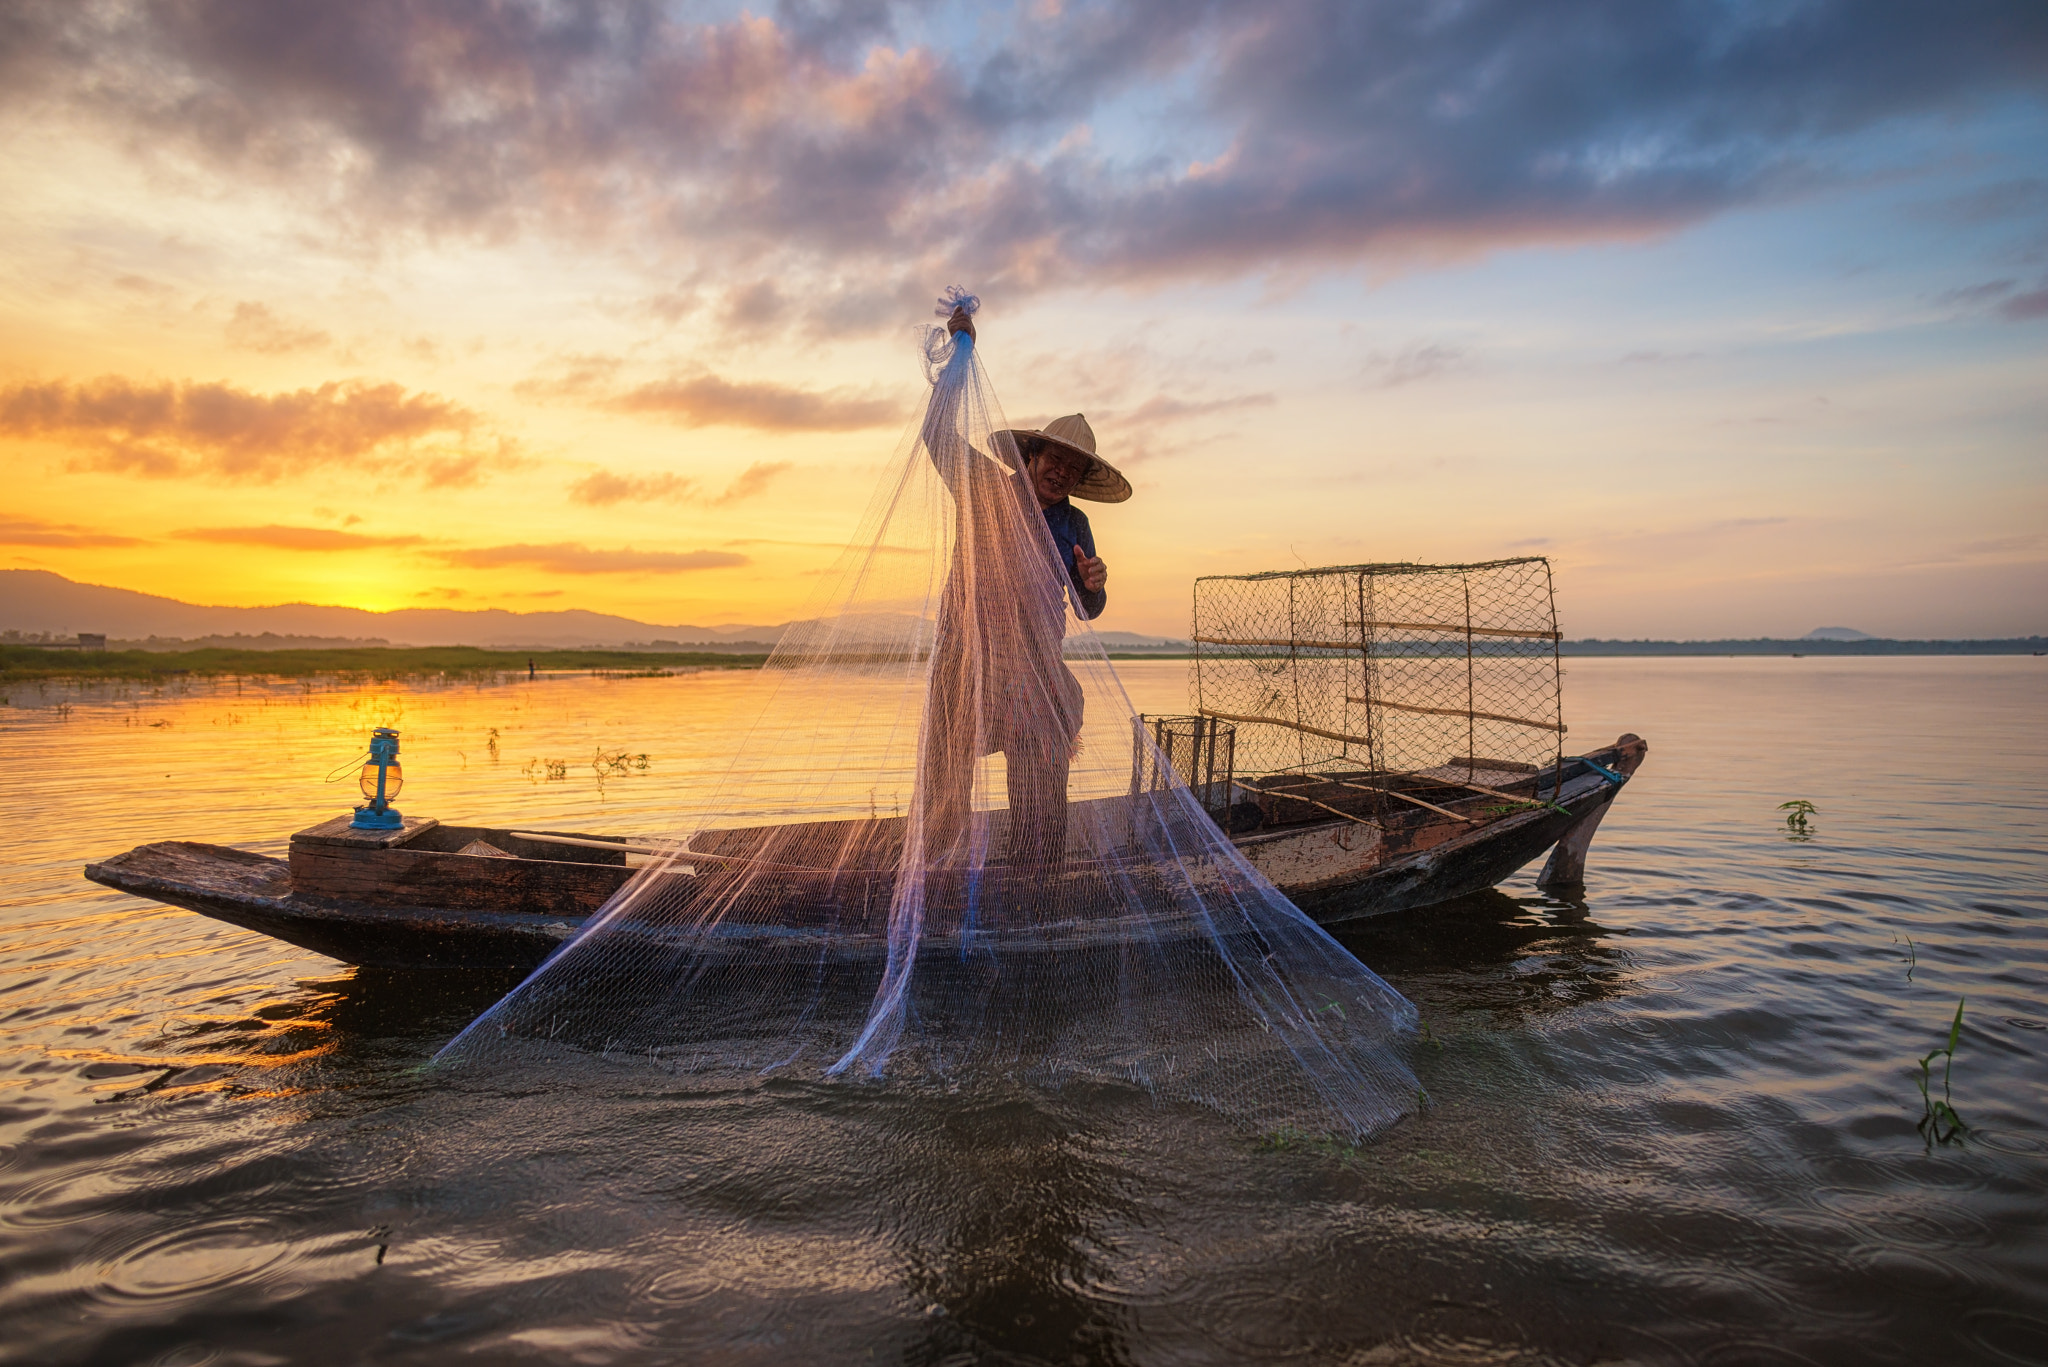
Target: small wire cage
1199	752
1397	669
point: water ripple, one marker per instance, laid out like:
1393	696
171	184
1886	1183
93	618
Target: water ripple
1672	1117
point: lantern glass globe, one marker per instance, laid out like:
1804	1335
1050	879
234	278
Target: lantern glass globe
394	779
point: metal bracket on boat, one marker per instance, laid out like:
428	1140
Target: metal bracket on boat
1619	779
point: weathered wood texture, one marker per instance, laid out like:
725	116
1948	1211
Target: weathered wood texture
255	892
339	831
428	870
453	882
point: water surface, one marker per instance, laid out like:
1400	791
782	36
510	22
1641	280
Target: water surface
1674	1121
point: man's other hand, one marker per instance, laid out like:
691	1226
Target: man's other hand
1091	570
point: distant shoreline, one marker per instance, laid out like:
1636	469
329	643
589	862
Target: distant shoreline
30	664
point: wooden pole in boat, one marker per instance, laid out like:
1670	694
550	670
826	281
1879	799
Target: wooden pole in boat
1471	722
1556	682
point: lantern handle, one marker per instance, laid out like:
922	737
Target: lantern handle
354	765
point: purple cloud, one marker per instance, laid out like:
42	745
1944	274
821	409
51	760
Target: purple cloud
2026	307
831	174
712	401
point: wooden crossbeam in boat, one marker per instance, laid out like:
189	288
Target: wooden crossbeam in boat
1284	645
1290	725
1440	781
681	850
1355	644
1297	797
1456	630
1349	739
616	846
1459	783
1397	793
1369	788
1458	712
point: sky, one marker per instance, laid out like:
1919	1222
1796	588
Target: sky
1736	311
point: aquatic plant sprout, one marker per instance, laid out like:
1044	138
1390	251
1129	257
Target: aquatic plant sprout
979	869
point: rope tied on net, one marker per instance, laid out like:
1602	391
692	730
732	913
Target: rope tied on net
941	344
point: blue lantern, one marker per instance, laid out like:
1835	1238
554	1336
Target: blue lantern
381	779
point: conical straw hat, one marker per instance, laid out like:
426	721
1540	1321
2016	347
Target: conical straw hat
1103	483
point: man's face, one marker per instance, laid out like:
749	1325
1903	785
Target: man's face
1054	473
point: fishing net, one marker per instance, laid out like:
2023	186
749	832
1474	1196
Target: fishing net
947	854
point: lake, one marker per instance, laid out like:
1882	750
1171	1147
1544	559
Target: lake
1675	1121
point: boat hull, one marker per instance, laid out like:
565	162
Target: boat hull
377	902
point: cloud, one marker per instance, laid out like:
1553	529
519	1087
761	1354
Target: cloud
1419	361
255	328
753	480
602	488
1134	436
567	557
1989	203
219	430
827	170
1165	408
577	376
1977	294
710	401
881	548
20	531
294	538
2026	307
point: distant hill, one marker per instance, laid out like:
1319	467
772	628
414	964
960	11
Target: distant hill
37	602
34	601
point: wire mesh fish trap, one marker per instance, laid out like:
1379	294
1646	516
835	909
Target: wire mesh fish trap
1448	670
1199	752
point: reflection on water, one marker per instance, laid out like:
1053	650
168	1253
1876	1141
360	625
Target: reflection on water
1514	958
1010	1232
1674	1121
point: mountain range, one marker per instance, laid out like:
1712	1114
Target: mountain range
34	602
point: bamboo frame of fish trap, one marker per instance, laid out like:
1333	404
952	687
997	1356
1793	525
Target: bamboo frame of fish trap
1441	673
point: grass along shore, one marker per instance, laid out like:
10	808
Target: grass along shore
26	664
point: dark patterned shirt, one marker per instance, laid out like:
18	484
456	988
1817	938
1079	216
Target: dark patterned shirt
1069	527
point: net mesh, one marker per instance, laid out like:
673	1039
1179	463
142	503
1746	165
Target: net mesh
948	853
1446	671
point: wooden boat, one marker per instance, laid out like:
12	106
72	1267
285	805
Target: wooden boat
467	895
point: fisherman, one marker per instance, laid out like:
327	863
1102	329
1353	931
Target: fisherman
1061	464
999	644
